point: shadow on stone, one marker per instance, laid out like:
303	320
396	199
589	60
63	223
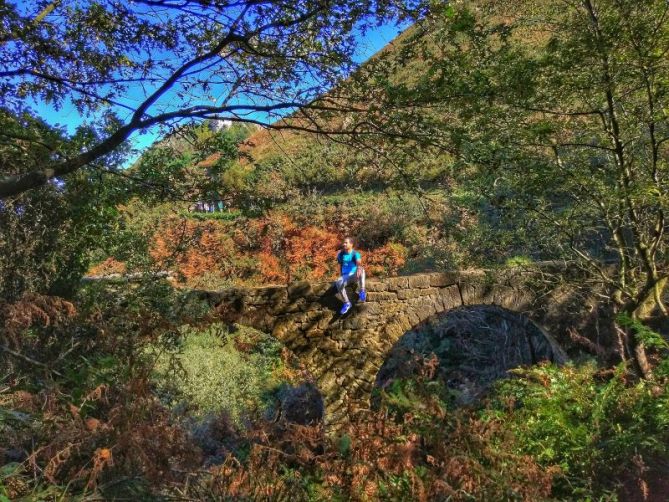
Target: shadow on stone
302	404
332	302
475	346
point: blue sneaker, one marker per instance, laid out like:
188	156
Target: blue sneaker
362	296
345	308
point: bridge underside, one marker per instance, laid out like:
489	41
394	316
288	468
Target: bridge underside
344	353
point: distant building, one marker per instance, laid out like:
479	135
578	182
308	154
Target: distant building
219	124
216	206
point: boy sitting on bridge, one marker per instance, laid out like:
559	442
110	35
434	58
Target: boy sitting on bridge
351	271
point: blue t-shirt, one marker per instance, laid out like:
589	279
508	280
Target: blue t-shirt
348	262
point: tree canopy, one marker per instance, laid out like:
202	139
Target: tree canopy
129	66
558	114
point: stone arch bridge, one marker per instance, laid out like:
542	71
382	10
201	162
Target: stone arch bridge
344	353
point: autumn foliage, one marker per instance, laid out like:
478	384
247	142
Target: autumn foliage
271	249
32	310
424	454
108	267
90	411
110	425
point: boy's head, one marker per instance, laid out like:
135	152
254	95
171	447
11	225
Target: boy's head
348	244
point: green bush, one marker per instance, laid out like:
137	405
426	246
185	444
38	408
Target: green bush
213	370
589	426
518	261
231	215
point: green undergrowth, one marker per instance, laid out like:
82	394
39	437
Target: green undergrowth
212	370
93	426
589	423
590	427
549	433
220	215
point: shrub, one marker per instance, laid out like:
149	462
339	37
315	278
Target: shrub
78	386
518	261
411	450
589	423
213	371
222	215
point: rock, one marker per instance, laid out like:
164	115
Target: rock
442	279
381	297
299	289
419	281
376	286
302	404
395	283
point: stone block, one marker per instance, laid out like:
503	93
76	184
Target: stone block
313	307
404	323
396	283
324	321
450	297
335	417
327	384
515	299
419	281
425	310
381	297
299	289
376	286
471	275
321	288
368	309
359	374
414	302
300	317
281	329
329	345
371	367
406	294
297	305
475	292
340	333
352	323
313	332
394	331
443	279
268	296
313	314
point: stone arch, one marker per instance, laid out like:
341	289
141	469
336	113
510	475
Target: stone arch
475	346
376	350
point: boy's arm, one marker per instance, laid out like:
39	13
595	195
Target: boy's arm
358	263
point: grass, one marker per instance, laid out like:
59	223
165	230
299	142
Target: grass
213	371
230	215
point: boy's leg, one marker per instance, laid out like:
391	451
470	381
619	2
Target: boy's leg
340	284
362	294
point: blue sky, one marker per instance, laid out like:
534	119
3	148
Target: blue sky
372	41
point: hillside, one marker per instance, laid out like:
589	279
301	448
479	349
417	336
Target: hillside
290	196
